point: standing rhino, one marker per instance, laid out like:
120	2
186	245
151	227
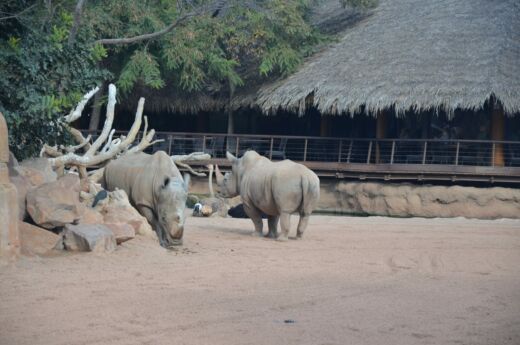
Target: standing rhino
276	189
155	188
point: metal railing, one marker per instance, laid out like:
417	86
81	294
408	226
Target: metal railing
344	150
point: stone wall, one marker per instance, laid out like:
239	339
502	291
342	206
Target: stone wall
407	200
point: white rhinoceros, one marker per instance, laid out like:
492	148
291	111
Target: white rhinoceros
155	188
274	188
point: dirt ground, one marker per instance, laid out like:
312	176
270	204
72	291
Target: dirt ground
350	281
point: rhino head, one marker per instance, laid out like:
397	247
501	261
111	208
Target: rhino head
171	202
228	183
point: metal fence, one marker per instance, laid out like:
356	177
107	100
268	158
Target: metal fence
344	150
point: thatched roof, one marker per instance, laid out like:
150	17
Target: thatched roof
412	55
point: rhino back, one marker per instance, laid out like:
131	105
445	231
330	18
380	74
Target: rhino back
276	187
139	175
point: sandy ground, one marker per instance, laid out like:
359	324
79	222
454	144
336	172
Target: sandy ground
350	281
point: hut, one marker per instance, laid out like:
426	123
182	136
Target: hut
416	57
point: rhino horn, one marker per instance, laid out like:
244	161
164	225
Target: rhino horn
218	174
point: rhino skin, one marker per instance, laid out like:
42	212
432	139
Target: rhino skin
155	188
276	189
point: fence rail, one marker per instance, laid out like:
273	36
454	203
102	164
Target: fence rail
453	155
347	150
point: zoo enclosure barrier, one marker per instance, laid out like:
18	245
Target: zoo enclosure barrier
477	153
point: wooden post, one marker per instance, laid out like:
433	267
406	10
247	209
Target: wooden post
393	152
369	152
324	126
271	149
380	132
424	152
305	151
497	133
339	150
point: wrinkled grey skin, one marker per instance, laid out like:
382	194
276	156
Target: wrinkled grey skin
155	188
277	189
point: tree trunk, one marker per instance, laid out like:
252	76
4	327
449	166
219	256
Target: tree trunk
497	133
96	111
231	142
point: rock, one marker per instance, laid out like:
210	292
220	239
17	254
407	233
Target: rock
91	216
122	231
35	240
206	210
217	206
119	210
56	204
37	170
13	162
88	238
22	186
9	234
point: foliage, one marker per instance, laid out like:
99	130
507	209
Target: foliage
41	80
244	43
42	75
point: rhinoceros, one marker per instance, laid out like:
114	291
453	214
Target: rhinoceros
274	188
155	188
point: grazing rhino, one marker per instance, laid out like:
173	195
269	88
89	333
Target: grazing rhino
155	188
276	189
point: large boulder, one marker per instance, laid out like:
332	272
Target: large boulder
37	170
56	204
120	211
87	238
35	240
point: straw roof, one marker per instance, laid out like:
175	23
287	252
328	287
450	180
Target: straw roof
412	55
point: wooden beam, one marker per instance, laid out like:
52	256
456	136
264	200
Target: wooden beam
497	133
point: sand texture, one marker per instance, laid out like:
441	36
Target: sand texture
349	281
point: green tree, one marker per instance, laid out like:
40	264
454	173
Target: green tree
41	76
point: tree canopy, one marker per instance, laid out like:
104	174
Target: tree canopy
51	52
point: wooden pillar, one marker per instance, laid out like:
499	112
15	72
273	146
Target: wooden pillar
380	132
497	133
324	126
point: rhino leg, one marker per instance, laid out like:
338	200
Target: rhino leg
272	222
149	215
256	217
302	225
285	222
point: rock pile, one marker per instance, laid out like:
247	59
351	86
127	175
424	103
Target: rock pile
63	215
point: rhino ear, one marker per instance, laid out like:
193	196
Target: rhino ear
187	179
230	157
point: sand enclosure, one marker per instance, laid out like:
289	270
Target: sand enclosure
350	281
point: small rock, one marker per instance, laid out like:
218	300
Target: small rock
206	210
88	238
35	240
122	231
